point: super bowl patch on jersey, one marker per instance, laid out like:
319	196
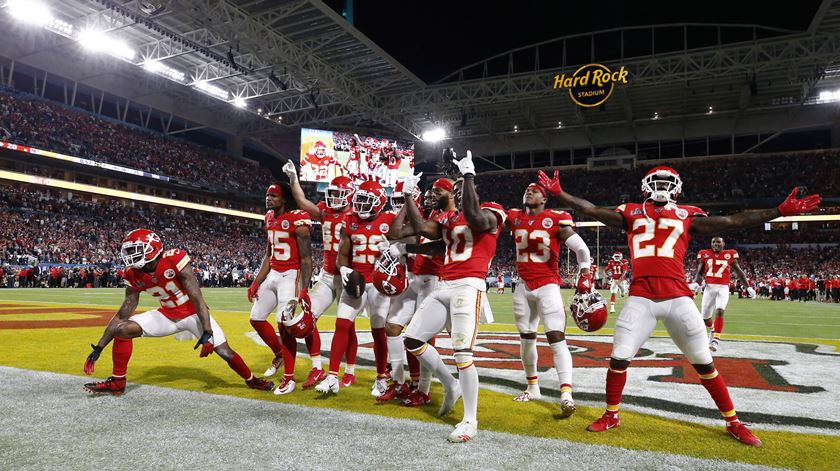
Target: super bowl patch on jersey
681	213
284	224
547	223
383	228
169	273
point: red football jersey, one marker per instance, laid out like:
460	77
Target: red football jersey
468	255
425	264
657	248
616	269
365	236
717	265
321	166
164	284
281	235
331	223
538	245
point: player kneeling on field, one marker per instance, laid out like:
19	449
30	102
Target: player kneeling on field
169	277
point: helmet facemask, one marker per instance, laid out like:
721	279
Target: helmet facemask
337	197
364	203
133	253
397	201
662	186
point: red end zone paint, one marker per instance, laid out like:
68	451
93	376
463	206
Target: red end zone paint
93	317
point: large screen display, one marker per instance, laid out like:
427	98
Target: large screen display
325	155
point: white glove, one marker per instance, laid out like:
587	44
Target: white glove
383	246
465	165
345	274
398	249
751	292
410	183
290	170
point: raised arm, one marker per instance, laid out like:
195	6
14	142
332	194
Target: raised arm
421	226
400	229
478	219
608	217
297	192
791	206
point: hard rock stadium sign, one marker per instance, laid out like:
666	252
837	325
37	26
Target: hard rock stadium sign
592	84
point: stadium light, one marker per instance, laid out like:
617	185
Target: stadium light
829	96
212	90
434	135
32	12
239	102
162	69
100	42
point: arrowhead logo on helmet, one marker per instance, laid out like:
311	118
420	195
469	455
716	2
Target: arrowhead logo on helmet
300	325
390	275
140	247
588	311
339	193
662	185
369	199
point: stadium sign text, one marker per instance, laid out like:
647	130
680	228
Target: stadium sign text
592	84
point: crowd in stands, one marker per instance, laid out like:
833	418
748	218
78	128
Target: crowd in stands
26	119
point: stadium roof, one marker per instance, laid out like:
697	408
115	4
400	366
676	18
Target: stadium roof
295	63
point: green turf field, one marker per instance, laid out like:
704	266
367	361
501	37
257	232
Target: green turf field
171	364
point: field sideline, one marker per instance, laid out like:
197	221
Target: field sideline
28	319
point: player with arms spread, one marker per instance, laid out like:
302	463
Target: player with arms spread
283	279
658	232
538	233
168	276
617	271
716	264
331	213
469	235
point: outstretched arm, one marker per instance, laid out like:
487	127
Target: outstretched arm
608	217
399	228
477	219
791	206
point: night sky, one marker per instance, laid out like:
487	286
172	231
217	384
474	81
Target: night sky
434	38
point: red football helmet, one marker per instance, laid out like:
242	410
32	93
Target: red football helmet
339	193
398	197
369	199
320	149
389	275
298	322
140	247
617	256
589	311
662	184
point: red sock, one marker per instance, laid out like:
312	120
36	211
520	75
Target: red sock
266	332
431	341
713	382
414	368
380	350
612	298
352	345
718	324
615	386
339	344
289	352
121	353
313	343
237	364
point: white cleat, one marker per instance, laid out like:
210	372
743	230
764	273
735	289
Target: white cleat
714	345
379	387
449	400
612	309
463	432
287	386
567	405
275	366
526	396
328	385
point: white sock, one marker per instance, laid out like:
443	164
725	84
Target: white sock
396	354
316	362
431	360
349	369
425	383
528	354
468	376
562	362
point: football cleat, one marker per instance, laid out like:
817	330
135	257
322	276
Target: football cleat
567	405
394	391
328	385
463	432
285	387
607	421
276	363
260	383
316	375
449	400
416	398
741	433
113	386
526	396
714	344
380	385
347	380
612	309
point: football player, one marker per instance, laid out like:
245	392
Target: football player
358	251
658	231
168	276
469	236
500	283
617	272
716	264
283	278
331	213
537	234
322	165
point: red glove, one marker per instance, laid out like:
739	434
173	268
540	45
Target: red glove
91	359
252	291
792	206
584	283
206	342
552	185
303	300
